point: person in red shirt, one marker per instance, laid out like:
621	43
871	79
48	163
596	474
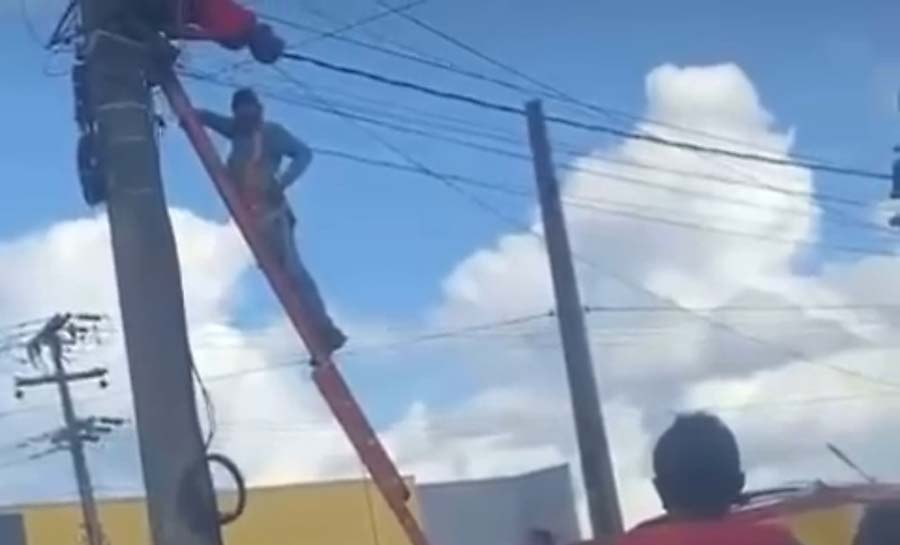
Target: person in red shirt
698	478
229	24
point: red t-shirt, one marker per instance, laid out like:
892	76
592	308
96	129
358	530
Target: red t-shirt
720	532
222	19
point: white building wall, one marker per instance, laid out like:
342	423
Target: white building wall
520	510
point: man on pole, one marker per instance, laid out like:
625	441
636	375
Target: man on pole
257	150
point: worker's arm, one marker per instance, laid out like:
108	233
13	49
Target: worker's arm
219	123
299	153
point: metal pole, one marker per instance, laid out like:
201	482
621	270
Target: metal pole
76	448
596	462
181	504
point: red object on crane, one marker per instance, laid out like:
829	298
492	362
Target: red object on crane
325	374
220	19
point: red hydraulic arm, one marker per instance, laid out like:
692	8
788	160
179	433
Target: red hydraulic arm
325	374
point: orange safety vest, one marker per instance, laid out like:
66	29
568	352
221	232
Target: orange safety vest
255	182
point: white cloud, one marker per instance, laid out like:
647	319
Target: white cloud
657	362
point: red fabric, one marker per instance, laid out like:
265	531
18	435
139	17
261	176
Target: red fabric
222	19
724	532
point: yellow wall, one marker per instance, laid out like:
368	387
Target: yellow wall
124	523
832	526
333	513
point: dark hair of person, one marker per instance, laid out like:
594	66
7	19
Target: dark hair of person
244	96
698	467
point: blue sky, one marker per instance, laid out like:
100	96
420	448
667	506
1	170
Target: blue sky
381	242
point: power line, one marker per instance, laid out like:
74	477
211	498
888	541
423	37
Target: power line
406	49
411	57
411	161
593	205
449	423
602	335
842	219
392	10
637	213
743	308
366	117
555	93
592	127
450	183
485	327
589	205
209	405
597	205
724	326
621	278
568	98
337	31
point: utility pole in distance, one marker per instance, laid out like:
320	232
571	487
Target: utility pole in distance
593	446
51	337
118	68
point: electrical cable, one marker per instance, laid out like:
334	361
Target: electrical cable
209	406
568	98
370	505
793	162
797	354
337	31
415	58
391	10
189	497
554	92
546	90
597	205
405	48
390	146
238	478
29	24
843	219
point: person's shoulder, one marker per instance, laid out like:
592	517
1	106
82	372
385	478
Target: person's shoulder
279	132
273	127
736	532
764	533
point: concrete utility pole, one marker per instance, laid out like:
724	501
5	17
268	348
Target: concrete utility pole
596	462
180	499
50	337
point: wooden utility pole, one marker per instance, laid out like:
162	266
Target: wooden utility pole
593	446
180	498
50	337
